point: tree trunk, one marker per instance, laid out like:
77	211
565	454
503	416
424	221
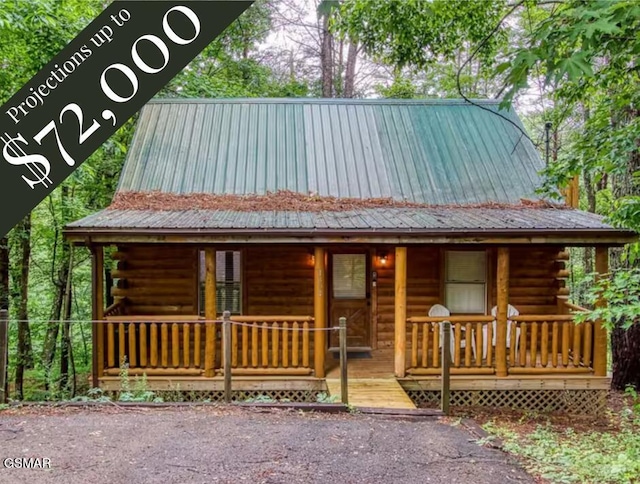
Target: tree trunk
4	273
350	74
326	58
24	357
65	339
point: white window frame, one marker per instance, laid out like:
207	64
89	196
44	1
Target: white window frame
459	281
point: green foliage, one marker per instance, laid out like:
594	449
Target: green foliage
261	399
570	456
324	397
621	291
139	392
418	33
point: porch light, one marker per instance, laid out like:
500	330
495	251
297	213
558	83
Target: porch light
312	257
383	258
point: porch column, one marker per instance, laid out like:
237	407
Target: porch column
502	302
400	346
319	311
210	311
97	312
600	336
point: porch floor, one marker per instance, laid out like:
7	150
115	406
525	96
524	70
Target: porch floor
371	381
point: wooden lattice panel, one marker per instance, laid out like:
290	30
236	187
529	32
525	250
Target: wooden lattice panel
572	401
216	396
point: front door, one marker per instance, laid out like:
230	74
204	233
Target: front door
350	297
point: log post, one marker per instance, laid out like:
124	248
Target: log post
319	311
4	354
600	336
210	311
502	281
97	313
400	345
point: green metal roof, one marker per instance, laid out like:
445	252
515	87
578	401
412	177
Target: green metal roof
428	151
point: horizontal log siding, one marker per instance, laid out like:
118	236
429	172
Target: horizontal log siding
278	280
423	289
535	278
157	279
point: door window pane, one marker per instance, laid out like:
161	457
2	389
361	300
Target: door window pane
349	276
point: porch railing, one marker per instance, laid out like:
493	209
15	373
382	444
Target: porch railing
470	352
535	344
184	345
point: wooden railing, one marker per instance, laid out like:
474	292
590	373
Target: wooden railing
182	345
551	343
471	344
271	344
536	344
154	345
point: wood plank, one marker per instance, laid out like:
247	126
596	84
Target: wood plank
373	393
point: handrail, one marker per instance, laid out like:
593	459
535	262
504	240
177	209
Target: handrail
480	318
178	318
114	308
538	318
272	319
575	307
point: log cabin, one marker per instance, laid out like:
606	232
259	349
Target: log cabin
291	213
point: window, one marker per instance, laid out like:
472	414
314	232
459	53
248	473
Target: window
349	276
228	282
465	281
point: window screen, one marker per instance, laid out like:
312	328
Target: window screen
349	276
465	283
228	282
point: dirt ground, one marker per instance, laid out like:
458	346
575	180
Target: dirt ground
206	444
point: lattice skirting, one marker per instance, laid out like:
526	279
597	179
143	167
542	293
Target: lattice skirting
216	396
572	401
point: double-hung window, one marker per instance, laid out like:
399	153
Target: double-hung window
228	281
466	281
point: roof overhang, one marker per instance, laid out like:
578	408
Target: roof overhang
575	237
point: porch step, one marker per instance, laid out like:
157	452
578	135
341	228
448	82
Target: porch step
373	392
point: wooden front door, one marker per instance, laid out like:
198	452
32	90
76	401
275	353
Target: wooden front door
350	297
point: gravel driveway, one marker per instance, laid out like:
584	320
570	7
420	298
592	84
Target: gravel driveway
205	444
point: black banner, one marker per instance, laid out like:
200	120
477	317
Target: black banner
93	86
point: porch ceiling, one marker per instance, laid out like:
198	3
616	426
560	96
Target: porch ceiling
563	225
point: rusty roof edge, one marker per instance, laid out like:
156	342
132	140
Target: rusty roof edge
603	231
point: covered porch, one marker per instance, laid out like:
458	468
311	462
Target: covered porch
293	350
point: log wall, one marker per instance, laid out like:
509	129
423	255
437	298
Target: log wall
157	279
162	280
278	280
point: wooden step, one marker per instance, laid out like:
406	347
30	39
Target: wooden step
373	392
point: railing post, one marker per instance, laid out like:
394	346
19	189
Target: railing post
600	335
4	355
400	333
319	311
501	318
226	339
445	394
344	386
